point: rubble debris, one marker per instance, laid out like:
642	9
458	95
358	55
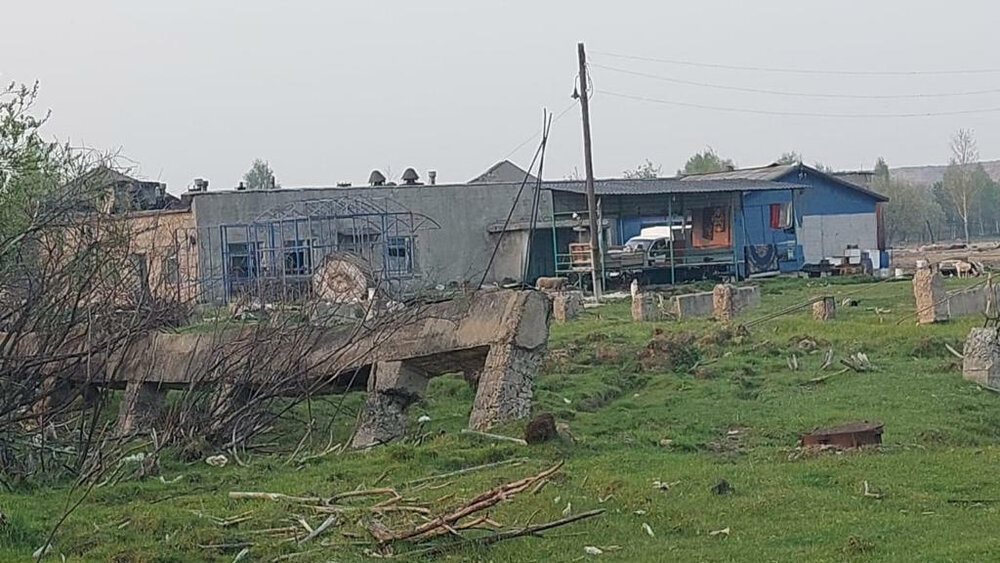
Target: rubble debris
540	429
928	289
981	357
852	435
825	308
722	487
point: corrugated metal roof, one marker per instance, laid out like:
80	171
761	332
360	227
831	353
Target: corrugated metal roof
771	172
620	186
775	171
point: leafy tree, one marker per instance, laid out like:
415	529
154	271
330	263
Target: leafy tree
912	213
822	167
645	170
705	162
260	176
961	183
790	157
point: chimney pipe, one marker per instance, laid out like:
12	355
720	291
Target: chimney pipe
432	176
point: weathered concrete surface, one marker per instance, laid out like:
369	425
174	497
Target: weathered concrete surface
981	362
502	366
566	305
644	307
496	338
141	406
724	302
701	304
977	300
392	387
928	289
825	309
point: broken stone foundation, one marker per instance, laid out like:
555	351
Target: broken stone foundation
981	362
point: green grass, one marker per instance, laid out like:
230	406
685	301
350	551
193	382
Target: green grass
737	417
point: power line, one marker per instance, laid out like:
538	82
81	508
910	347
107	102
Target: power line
536	134
798	113
795	94
802	70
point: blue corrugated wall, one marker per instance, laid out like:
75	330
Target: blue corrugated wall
753	226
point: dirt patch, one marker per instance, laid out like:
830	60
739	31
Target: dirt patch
734	334
670	351
807	343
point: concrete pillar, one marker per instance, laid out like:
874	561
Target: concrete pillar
504	391
141	406
566	305
825	309
981	362
644	307
392	387
724	301
928	289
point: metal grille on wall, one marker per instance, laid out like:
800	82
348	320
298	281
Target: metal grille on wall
276	255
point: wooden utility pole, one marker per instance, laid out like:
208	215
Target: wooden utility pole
595	249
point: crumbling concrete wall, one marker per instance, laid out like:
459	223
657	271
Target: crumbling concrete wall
724	302
392	387
701	304
505	384
981	362
513	346
935	305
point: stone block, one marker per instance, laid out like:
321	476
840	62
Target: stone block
928	289
825	309
644	307
981	362
504	390
724	302
567	305
692	305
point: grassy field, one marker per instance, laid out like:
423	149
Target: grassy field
689	406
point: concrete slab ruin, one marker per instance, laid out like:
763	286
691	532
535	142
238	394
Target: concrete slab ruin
935	305
702	304
981	357
497	339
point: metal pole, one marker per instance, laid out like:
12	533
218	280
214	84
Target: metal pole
595	254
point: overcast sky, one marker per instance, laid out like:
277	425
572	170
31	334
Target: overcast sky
327	91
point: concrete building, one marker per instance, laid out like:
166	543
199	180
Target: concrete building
415	235
829	216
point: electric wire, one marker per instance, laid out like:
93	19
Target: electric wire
697	64
796	94
799	113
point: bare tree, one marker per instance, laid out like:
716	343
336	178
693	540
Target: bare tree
645	170
960	184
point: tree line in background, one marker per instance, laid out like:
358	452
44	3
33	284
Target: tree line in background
963	205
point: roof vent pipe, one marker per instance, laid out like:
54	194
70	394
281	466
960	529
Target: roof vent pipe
432	176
